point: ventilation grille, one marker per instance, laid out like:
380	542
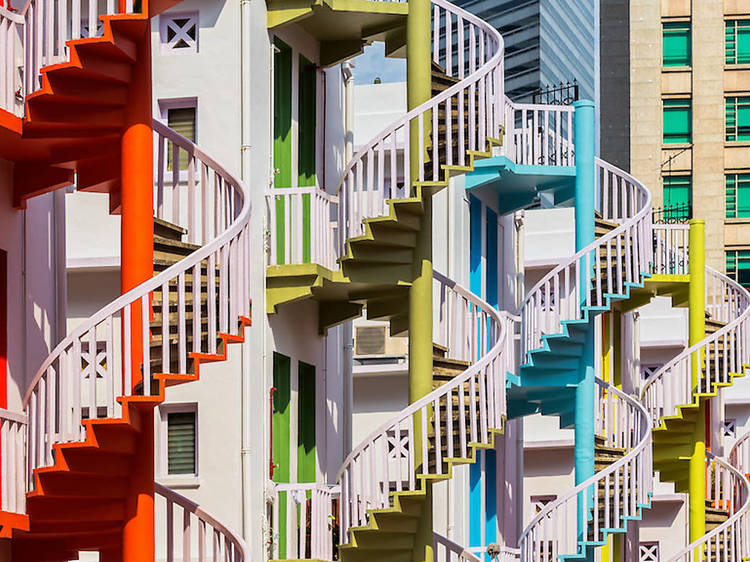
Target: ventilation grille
369	340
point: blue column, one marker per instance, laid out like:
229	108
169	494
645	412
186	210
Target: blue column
584	138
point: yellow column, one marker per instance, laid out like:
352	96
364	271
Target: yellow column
418	77
697	332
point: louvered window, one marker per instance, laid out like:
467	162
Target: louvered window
737	41
738	266
737	118
737	195
181	443
181	120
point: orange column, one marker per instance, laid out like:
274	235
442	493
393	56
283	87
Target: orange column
137	266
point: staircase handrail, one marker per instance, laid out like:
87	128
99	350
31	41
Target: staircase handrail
633	229
220	538
402	423
484	81
639	457
230	236
452	548
678	370
12	16
739	455
734	530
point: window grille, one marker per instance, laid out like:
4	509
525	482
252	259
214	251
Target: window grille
179	33
729	427
648	552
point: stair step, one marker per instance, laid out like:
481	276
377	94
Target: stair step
167	230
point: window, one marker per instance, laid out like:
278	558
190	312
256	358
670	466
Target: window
648	552
538	503
737	41
648	370
181	120
677	120
738	266
676	43
729	427
677	196
181	442
179	33
737	195
738	118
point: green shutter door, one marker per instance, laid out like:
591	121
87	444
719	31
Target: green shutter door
307	99
282	369
282	131
306	424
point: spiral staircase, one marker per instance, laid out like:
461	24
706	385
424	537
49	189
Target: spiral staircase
94	395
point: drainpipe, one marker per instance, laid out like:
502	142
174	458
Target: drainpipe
348	358
519	220
246	386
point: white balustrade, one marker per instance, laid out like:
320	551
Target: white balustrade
475	402
298	234
11	54
739	456
462	117
190	533
709	362
615	493
445	550
311	521
36	37
539	135
13	428
93	366
671	245
602	268
726	489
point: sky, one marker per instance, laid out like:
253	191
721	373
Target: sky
373	64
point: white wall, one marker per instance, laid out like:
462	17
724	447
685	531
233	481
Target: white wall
376	107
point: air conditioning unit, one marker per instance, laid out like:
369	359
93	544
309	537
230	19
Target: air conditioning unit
369	340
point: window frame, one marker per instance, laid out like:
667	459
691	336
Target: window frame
732	209
684	26
687	103
162	465
735	24
165	104
164	44
734	273
736	105
668	183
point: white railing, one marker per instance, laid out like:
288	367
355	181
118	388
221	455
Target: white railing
309	507
602	268
13	428
445	550
739	456
470	50
300	235
475	398
539	135
709	362
40	32
671	249
614	494
11	50
726	489
190	533
94	366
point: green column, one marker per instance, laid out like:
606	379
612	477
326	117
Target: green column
418	74
418	91
697	332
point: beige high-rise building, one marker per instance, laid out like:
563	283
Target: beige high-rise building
675	95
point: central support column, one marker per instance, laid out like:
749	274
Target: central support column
137	247
418	82
583	451
697	332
